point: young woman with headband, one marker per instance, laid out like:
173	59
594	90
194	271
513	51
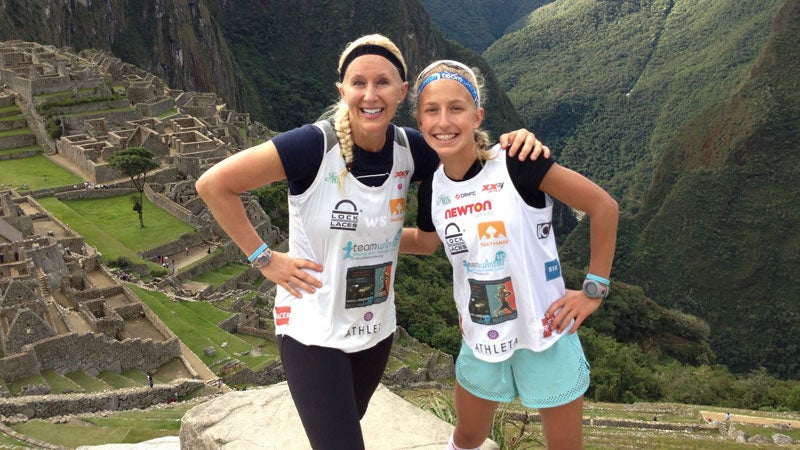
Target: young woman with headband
348	177
517	320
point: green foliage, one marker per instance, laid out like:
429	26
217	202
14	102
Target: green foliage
425	306
53	127
273	200
476	24
133	162
629	87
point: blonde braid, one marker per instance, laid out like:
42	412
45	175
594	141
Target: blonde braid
341	123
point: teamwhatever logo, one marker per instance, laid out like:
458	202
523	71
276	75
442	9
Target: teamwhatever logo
360	250
487	265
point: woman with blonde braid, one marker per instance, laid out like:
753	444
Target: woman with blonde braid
494	214
334	307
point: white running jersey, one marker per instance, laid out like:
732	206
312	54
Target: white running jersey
355	236
506	271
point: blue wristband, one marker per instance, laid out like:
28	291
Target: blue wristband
258	251
598	279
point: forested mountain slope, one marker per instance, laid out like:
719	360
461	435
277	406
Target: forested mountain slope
476	24
688	112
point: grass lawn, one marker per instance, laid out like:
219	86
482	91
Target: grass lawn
116	380
88	382
195	324
16	132
112	225
18	150
35	172
59	383
122	427
221	275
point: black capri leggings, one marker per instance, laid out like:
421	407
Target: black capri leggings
331	389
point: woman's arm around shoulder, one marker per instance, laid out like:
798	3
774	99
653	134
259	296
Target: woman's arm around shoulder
414	241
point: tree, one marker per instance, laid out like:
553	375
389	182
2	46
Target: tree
134	162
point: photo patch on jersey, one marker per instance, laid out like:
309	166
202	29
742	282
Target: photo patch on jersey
454	240
368	285
492	301
344	216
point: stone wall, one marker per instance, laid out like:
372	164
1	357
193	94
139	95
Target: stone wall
89	352
7	125
44	406
19	365
83	194
18	140
177	211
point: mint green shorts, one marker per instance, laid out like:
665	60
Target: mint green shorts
545	379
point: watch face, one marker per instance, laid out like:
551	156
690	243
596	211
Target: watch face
593	289
263	259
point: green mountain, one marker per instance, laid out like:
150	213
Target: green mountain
476	24
688	113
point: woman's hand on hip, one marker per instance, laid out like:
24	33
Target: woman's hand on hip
292	274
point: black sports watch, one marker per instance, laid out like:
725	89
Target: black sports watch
595	289
263	259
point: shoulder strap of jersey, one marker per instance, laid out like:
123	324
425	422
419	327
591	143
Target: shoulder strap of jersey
400	136
330	134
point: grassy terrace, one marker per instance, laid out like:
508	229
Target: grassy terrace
221	275
16	132
18	150
122	427
35	172
195	324
112	226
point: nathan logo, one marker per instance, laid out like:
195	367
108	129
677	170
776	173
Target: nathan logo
442	200
543	230
454	240
492	233
344	216
552	270
397	208
465	195
472	208
401	174
492	187
282	315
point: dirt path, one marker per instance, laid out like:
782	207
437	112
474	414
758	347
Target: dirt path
738	418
